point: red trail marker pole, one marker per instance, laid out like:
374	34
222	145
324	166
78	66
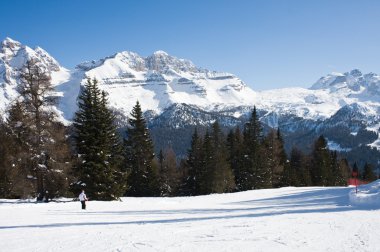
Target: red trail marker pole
355	175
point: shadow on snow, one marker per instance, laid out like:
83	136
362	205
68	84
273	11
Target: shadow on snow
331	200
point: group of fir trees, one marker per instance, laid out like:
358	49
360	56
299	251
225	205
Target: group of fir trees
108	167
321	168
366	174
169	172
247	160
207	169
241	161
257	161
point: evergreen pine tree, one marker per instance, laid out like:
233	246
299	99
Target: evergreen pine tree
257	174
193	165
161	160
321	163
143	176
345	169
297	171
304	173
213	173
168	173
206	169
275	156
98	146
368	175
8	171
222	178
235	157
337	178
16	133
292	170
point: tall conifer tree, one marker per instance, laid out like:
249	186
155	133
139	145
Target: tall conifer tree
337	178
168	172
257	174
143	176
235	157
222	175
206	170
345	169
275	156
98	146
194	167
321	163
368	175
291	171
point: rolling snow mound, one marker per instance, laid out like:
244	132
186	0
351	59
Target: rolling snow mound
367	196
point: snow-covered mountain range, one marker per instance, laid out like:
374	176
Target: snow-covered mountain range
159	81
175	90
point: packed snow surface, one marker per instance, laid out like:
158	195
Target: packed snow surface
286	219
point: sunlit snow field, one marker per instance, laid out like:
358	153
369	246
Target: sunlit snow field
286	219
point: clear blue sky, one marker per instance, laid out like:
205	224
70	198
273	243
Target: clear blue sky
267	43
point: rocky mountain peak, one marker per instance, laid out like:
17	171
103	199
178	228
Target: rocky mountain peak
9	48
14	54
160	53
163	62
10	43
48	60
354	73
132	59
353	81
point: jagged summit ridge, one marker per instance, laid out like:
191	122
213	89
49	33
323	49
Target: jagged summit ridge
159	61
161	80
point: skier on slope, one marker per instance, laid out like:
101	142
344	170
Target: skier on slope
83	199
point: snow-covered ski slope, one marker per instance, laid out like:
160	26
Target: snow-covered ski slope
286	219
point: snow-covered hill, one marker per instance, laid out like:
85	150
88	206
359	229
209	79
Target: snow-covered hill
174	92
285	219
368	196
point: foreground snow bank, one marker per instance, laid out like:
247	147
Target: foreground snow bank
367	196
